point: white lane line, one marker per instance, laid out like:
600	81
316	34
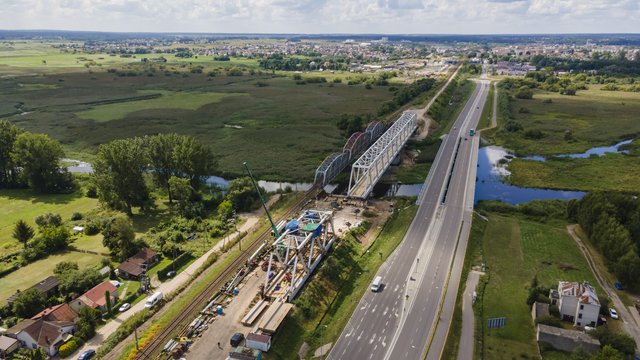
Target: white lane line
372	339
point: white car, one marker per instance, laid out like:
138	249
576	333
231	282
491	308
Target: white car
124	307
613	313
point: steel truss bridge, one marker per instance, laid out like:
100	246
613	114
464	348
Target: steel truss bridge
370	166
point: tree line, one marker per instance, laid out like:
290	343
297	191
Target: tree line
28	159
612	64
177	163
612	222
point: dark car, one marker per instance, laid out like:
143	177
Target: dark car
618	286
171	273
236	339
88	354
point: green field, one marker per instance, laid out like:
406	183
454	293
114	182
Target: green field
166	100
25	205
610	172
515	251
595	118
283	129
27	276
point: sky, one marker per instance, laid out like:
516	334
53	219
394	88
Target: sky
326	16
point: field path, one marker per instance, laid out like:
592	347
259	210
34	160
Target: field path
422	113
631	325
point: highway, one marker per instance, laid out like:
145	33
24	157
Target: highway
408	317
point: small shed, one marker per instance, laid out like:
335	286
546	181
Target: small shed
78	229
258	342
7	346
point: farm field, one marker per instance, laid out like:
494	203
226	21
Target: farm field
515	251
282	128
27	276
25	205
594	117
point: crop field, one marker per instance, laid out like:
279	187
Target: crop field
515	251
26	276
282	128
594	117
25	205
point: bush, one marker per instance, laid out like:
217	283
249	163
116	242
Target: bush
524	92
68	348
76	216
549	320
512	126
533	134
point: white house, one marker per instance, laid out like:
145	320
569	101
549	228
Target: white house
578	303
49	335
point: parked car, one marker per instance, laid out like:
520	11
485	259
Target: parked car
589	328
88	354
613	313
618	285
171	274
236	339
124	307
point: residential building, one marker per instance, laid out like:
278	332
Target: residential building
47	287
578	303
138	264
95	298
48	335
61	312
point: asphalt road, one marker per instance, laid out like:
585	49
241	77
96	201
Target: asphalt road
400	321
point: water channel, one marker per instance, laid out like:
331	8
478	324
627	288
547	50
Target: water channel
490	185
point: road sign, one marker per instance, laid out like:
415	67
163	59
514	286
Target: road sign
496	322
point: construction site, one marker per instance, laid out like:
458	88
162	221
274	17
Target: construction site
239	319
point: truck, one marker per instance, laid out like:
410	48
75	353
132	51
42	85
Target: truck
153	299
472	132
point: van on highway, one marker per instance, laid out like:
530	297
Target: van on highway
377	282
153	300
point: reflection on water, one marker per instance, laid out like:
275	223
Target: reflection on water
490	185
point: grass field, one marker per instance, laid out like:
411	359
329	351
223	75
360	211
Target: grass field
515	251
610	172
90	243
283	129
27	276
595	118
25	205
167	100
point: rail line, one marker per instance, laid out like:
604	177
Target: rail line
211	291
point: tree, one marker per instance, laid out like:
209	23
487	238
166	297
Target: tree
119	238
118	170
242	193
194	159
65	266
48	220
607	352
183	192
524	92
23	232
75	282
39	158
107	301
88	319
161	150
225	209
55	238
32	354
8	171
29	303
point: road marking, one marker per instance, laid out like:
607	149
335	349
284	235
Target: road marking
384	344
360	336
384	313
374	309
372	339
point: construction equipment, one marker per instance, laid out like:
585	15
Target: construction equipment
274	228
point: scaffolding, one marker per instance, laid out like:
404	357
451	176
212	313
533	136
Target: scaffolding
297	252
368	169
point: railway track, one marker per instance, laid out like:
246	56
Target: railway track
182	321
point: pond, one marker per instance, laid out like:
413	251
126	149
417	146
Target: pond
490	183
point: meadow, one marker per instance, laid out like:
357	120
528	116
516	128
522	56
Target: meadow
516	250
594	117
29	275
25	205
284	129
